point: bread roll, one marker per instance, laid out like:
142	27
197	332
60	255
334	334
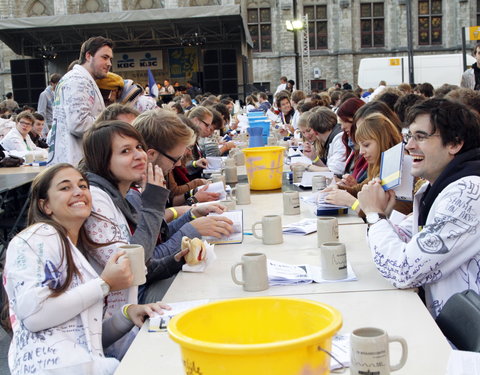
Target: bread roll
197	251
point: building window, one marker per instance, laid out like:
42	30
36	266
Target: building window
429	22
260	28
317	26
372	25
478	12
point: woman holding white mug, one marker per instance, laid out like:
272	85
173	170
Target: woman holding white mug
56	297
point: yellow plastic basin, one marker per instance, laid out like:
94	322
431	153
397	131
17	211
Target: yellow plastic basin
264	336
264	167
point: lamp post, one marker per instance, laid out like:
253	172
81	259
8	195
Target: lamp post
294	26
411	77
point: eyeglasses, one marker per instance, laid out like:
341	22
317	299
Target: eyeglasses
172	159
417	137
206	123
25	123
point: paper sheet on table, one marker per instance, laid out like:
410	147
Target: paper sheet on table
159	322
237	236
317	200
216	187
308	176
214	164
210	257
300	159
294	152
286	274
302	227
340	350
272	116
463	363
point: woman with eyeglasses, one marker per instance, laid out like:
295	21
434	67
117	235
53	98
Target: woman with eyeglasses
115	159
56	298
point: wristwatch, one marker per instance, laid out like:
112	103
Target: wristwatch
374	217
191	201
105	287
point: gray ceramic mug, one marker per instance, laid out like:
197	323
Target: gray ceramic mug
254	272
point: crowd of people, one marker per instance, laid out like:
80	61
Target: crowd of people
124	170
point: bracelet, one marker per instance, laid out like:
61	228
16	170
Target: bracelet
355	204
124	311
316	159
194	164
192	215
174	212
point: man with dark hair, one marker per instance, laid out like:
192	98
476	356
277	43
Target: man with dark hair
78	101
9	103
45	102
186	102
282	86
437	247
264	103
424	89
36	134
471	76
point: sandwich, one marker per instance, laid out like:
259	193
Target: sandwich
197	251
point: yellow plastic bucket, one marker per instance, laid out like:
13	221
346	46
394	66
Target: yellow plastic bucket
249	336
264	167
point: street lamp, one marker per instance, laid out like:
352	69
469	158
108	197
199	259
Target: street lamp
294	26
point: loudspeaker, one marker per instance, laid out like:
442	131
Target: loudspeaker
220	72
28	80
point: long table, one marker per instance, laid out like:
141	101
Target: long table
398	312
216	281
368	301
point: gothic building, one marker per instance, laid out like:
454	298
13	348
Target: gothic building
235	42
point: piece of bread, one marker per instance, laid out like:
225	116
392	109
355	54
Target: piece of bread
197	251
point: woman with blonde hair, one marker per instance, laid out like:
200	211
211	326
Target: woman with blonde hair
375	134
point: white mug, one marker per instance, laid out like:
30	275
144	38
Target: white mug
229	162
271	230
136	254
242	193
370	354
229	203
327	230
334	261
319	182
298	172
254	272
291	203
230	173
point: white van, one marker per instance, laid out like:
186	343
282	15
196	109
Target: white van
434	69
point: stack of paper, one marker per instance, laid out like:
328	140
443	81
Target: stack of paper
302	227
159	322
285	274
216	187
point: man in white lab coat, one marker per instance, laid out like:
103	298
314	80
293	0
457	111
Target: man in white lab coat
78	101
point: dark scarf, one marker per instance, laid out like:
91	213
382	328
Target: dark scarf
466	164
476	72
336	129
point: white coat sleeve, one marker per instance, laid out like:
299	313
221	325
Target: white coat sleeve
336	155
33	265
440	248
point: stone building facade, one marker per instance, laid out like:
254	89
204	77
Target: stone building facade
341	32
344	29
